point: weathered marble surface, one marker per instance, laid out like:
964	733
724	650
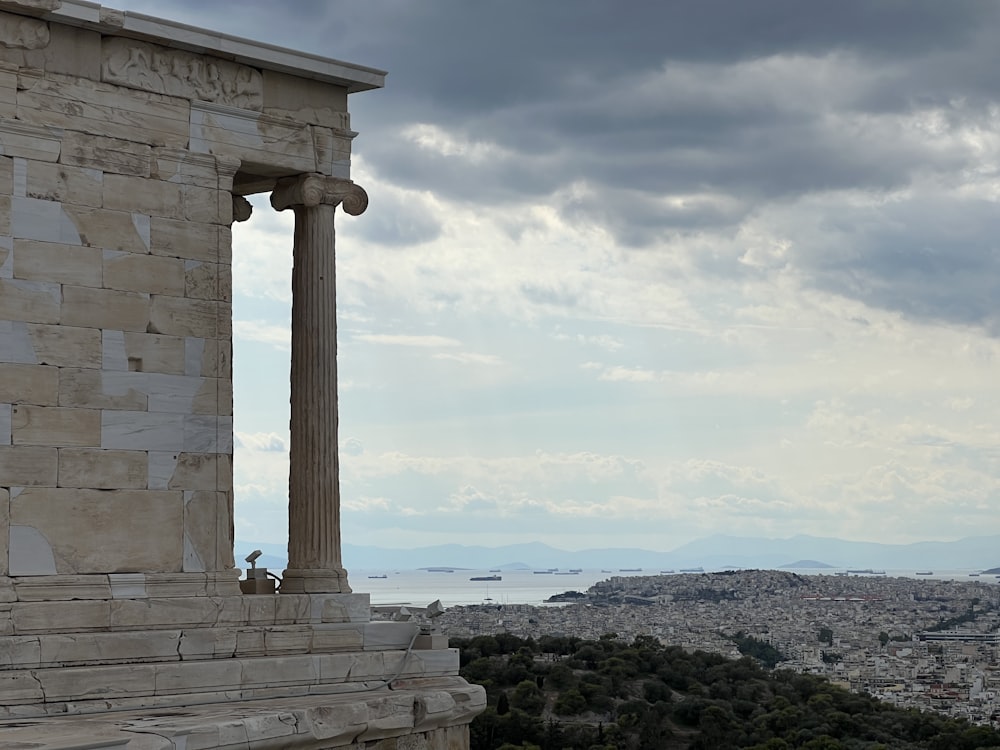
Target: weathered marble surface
432	715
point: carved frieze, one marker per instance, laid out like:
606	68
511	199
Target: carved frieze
150	67
18	32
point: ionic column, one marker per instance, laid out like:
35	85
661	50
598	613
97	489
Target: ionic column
314	561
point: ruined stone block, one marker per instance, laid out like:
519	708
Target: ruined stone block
55	425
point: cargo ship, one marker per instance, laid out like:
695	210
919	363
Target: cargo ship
486	578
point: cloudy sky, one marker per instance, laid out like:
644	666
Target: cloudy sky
637	273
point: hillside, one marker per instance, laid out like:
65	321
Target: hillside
561	693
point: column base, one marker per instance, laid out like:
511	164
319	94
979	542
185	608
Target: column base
300	581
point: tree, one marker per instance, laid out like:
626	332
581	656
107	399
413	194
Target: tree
570	703
826	636
503	705
528	697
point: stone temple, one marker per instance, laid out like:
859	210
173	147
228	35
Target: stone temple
127	145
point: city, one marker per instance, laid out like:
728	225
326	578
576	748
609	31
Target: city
929	644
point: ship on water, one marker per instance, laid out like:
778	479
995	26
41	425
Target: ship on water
699	569
924	573
486	578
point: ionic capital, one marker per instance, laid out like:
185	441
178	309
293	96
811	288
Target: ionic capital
314	189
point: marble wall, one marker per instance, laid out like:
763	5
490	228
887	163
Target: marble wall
118	159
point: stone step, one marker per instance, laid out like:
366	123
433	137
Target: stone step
61	690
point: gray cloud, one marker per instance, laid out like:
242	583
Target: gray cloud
734	109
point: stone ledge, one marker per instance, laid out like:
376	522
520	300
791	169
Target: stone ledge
56	615
28	693
431	714
48	650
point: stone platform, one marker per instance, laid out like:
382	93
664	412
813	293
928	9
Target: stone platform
92	655
420	714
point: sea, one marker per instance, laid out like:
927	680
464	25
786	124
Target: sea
418	588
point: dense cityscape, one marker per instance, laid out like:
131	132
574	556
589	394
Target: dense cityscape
929	644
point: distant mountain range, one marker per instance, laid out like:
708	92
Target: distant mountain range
713	552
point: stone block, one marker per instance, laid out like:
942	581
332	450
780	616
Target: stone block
19	687
224	527
71	51
304	100
288	670
200	519
27	141
197	676
126	530
29	384
382	636
225	256
185	239
291	608
181	584
105	308
49	588
144	352
8	92
207	434
197	471
109	648
109	155
179	316
136	430
127	585
250	641
102	469
288	640
55	617
28	466
128	231
92	107
253	137
56	262
207	205
225	397
32	7
29	301
6	258
4	540
97	683
5	424
6	163
185	168
180	394
102	389
55	425
201	280
157	353
45	221
136	272
207	643
19	652
175	612
146	196
65	346
352	667
194	355
71	185
161	468
332	638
